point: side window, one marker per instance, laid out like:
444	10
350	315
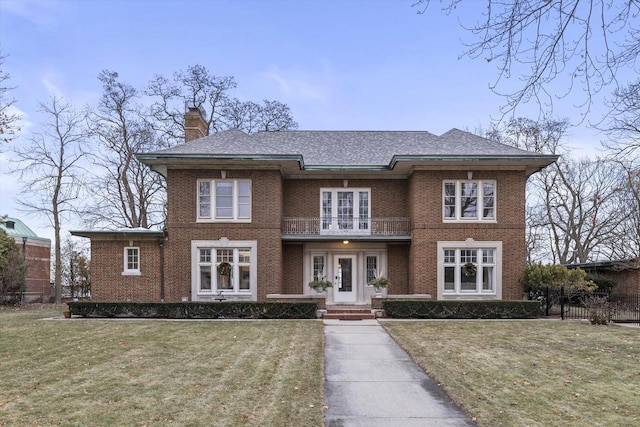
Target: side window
372	268
131	260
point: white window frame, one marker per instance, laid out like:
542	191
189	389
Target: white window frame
479	204
479	293
126	271
224	243
236	202
366	267
357	222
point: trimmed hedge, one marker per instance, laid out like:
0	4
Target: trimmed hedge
494	309
196	310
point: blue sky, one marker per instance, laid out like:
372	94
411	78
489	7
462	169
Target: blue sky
352	64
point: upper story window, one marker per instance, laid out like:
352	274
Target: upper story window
469	200
224	200
345	210
131	261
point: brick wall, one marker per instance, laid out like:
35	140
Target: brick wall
425	200
293	271
265	227
412	268
38	260
388	198
107	264
398	266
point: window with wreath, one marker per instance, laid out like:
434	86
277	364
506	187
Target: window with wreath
469	270
224	269
469	200
224	200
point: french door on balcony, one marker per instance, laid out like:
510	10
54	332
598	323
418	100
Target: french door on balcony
345	211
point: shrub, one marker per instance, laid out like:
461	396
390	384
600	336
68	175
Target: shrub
495	309
538	277
599	309
604	283
197	310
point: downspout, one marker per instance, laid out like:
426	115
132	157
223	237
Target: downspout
161	244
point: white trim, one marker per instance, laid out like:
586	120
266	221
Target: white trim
479	204
470	244
334	227
329	250
125	270
224	243
234	218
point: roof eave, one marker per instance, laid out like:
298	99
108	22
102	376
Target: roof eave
119	234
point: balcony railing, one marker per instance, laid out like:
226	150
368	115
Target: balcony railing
323	226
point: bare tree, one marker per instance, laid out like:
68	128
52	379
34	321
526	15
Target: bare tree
583	43
127	194
626	242
197	87
573	207
250	117
50	169
623	123
582	209
76	275
543	136
8	119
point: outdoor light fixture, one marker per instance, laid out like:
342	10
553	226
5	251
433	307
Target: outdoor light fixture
470	175
346	242
223	174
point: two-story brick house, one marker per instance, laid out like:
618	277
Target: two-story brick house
440	216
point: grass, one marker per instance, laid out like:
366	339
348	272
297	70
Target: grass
531	373
148	372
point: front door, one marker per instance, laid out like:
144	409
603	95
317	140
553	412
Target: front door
344	283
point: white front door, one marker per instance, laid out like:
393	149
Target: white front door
345	280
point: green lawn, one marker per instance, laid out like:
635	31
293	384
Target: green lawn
83	372
531	373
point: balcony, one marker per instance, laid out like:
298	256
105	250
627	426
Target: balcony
320	228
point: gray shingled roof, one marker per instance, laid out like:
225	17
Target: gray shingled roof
343	148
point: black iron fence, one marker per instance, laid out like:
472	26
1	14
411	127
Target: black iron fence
587	305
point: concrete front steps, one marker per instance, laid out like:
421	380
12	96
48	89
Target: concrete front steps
349	312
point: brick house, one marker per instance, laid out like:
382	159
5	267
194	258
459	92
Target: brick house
280	209
625	273
37	254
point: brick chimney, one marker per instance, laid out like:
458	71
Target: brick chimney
194	124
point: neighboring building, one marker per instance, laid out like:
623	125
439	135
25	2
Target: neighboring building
283	208
37	253
625	273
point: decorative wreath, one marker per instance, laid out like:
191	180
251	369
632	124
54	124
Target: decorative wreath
224	269
469	269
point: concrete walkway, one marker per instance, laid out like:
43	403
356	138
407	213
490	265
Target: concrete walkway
370	381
